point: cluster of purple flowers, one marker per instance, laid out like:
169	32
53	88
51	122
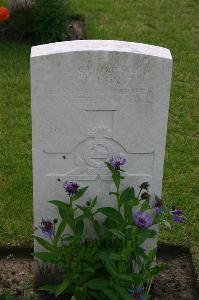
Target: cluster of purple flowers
143	219
117	161
177	214
137	293
71	188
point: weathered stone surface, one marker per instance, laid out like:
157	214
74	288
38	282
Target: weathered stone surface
91	100
19	4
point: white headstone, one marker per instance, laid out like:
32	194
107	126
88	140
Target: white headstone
91	100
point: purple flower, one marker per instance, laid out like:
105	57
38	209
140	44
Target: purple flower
71	188
176	211
47	227
117	161
158	205
143	219
177	214
137	293
178	219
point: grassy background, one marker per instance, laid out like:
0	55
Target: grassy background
15	141
167	23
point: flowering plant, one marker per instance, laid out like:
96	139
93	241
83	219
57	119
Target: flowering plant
114	265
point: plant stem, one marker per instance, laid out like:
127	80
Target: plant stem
71	202
139	193
54	231
118	198
149	286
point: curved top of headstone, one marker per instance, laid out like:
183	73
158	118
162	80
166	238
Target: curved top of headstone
100	45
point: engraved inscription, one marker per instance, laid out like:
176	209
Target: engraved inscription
88	157
91	153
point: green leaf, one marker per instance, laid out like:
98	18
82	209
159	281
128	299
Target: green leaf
66	212
79	228
47	256
68	238
128	209
60	230
119	234
122	292
141	252
62	287
145	205
97	284
148	261
79	194
144	233
134	278
114	193
113	214
82	208
125	277
109	223
115	175
43	243
151	257
116	178
88	269
55	289
87	213
111	294
93	203
80	293
96	295
97	227
110	167
110	266
51	289
62	207
157	219
154	271
127	195
115	256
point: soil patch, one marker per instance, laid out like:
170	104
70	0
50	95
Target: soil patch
176	282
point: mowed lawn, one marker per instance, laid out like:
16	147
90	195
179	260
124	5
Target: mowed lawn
167	23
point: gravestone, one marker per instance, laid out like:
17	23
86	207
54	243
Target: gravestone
92	100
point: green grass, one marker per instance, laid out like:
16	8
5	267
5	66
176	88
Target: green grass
3	3
15	141
167	23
